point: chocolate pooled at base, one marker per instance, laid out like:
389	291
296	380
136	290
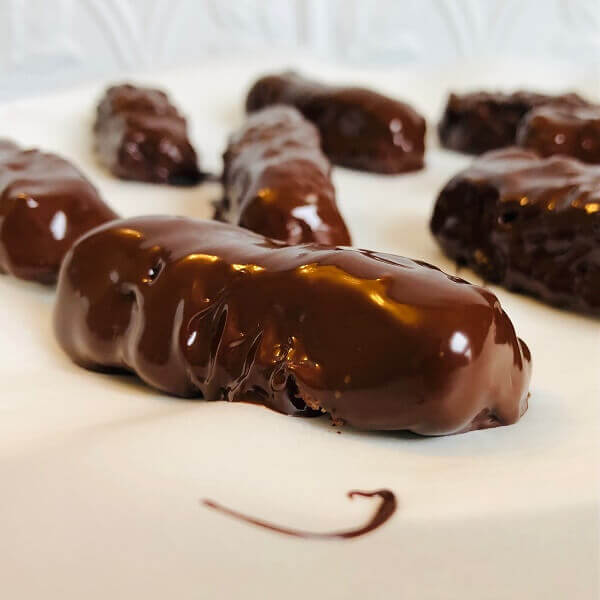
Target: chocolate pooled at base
46	203
481	121
277	181
531	224
360	129
200	308
140	135
569	130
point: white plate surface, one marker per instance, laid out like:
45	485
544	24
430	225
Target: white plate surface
101	477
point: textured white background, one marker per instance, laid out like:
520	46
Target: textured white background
50	43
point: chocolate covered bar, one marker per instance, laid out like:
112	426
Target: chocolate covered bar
531	224
360	129
480	121
206	309
559	129
277	181
45	205
140	135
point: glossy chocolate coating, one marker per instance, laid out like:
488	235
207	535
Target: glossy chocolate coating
480	121
558	129
360	129
45	205
277	181
140	135
201	308
529	223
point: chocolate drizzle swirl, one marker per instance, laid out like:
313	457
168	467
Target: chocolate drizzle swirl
387	507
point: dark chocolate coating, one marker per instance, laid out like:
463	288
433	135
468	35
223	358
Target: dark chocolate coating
140	135
201	308
559	129
359	128
277	181
529	223
45	205
480	121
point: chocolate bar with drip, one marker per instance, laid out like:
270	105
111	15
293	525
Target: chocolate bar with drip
480	121
140	135
46	203
277	181
360	128
569	130
205	309
531	224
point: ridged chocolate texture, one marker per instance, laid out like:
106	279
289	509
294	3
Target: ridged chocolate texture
529	223
569	130
45	205
201	308
140	135
277	181
480	121
359	128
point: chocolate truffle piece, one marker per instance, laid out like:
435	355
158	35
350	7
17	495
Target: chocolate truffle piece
531	224
480	121
360	129
558	129
277	181
201	308
140	135
45	205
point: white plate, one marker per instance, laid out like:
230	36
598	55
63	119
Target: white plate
101	477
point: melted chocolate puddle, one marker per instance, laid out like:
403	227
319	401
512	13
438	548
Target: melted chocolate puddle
387	507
